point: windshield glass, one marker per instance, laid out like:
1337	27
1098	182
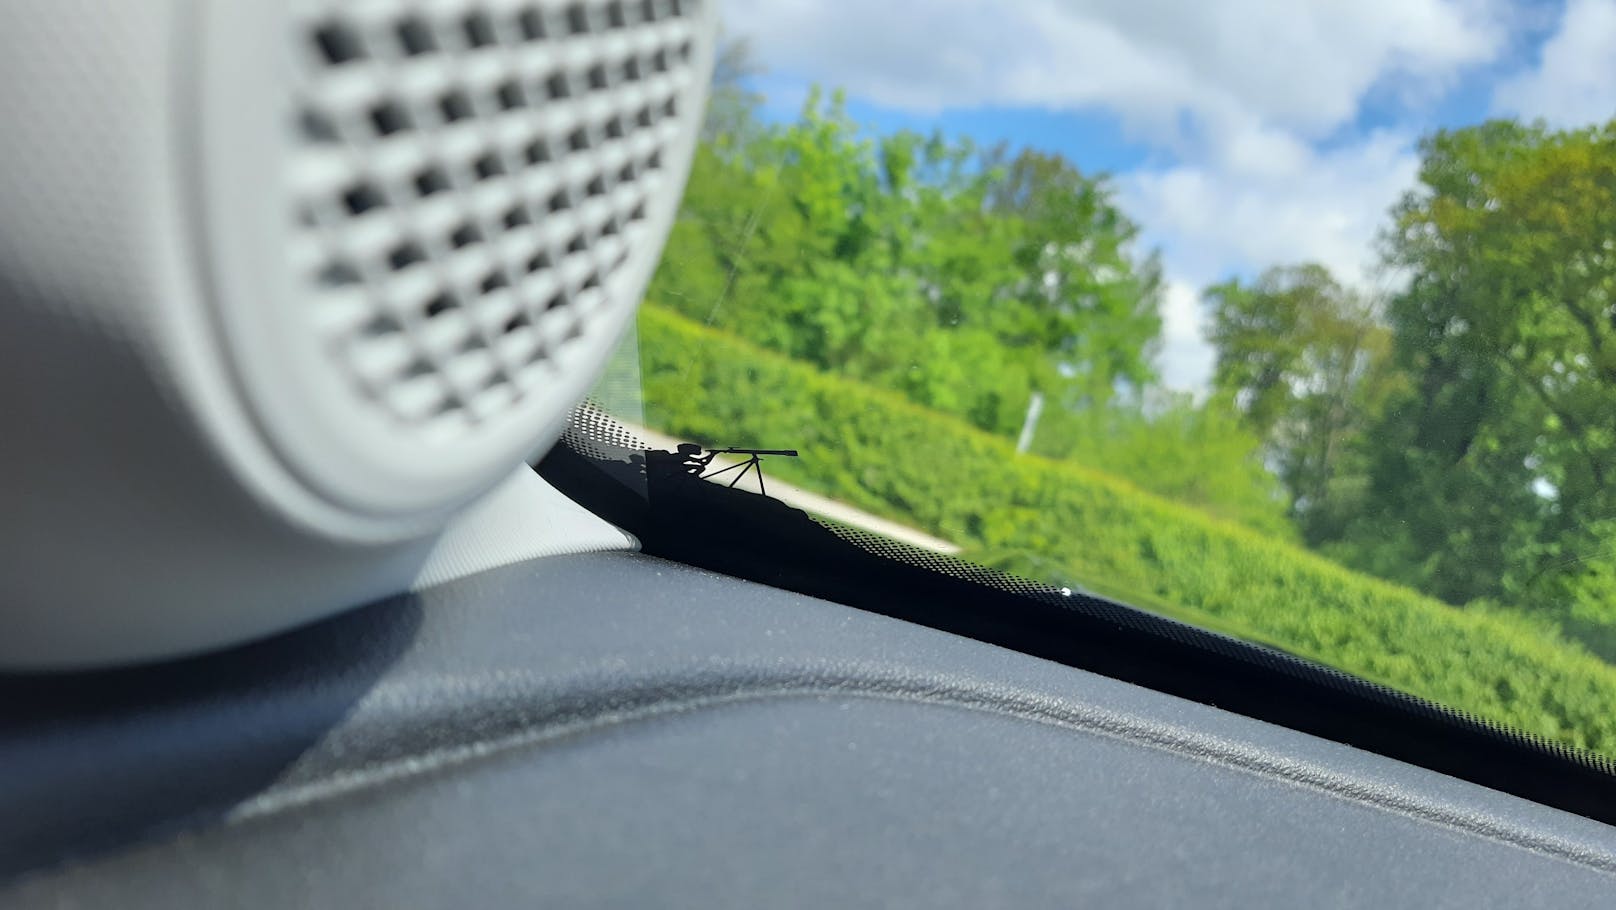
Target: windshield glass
1296	322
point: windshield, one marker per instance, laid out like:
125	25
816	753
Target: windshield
1296	322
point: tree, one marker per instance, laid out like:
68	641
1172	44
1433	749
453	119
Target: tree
1101	304
1305	360
886	259
1498	461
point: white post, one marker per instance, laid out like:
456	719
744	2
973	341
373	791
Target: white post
1035	407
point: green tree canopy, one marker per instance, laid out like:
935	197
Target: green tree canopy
1496	464
965	281
1305	360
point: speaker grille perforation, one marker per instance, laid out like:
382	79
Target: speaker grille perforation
468	179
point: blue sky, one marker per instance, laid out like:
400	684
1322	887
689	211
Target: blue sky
1239	133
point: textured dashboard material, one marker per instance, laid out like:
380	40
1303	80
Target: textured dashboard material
617	730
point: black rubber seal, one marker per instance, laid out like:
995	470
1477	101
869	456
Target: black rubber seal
679	517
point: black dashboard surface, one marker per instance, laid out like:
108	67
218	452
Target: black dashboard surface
617	730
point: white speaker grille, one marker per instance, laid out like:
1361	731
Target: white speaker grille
468	179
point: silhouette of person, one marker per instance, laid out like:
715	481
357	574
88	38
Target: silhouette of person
693	462
686	462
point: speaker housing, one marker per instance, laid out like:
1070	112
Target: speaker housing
286	287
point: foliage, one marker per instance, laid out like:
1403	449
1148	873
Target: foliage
965	282
1197	453
876	450
897	300
1585	581
1306	362
907	262
1460	442
1497	462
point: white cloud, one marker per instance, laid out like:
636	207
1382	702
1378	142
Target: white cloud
1263	199
1271	200
1574	83
1303	66
1185	360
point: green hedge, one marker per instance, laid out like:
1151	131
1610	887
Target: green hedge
878	451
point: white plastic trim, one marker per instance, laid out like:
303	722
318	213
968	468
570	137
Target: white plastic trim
186	462
524	518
